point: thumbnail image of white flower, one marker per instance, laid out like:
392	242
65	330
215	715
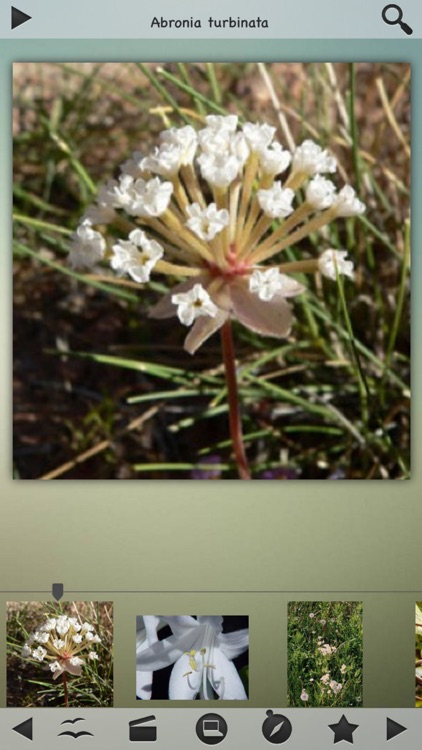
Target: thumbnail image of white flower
325	646
65	644
201	654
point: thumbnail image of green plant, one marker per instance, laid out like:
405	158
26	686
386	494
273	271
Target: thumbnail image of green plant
325	652
59	654
418	618
224	181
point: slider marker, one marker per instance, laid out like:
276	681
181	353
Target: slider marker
57	590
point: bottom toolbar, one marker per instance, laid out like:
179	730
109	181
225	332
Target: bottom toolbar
107	729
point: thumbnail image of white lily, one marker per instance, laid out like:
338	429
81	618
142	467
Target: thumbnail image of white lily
202	655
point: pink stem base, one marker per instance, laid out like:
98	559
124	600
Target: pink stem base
66	698
233	399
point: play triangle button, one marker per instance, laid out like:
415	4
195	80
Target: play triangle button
19	17
394	728
25	729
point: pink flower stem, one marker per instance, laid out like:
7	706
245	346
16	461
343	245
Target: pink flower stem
66	698
233	399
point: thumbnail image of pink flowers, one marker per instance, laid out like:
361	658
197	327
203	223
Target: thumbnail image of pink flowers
325	654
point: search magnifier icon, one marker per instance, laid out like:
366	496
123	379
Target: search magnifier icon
393	14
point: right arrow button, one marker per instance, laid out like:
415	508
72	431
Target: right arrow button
394	728
18	17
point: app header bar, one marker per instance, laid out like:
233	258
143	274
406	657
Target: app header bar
219	19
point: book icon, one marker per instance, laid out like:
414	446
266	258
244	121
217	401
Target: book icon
139	732
70	733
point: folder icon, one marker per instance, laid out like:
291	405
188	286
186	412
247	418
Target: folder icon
138	732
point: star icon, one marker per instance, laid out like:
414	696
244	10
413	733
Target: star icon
343	730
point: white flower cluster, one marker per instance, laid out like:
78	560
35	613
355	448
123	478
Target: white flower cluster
58	641
310	159
136	256
331	262
335	687
207	222
138	197
194	304
266	284
327	650
276	202
219	245
177	149
331	686
88	246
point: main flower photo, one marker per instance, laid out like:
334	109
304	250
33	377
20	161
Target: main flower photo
211	271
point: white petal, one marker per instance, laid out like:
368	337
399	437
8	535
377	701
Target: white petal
267	318
218	168
184	686
276	202
194	304
320	193
347	204
208	222
225	678
144	685
202	329
137	237
75	669
165	652
222	122
234	644
332	262
140	273
258	135
180	624
291	287
165	307
216	622
311	159
151	625
144	678
274	159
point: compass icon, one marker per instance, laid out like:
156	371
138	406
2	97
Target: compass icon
276	728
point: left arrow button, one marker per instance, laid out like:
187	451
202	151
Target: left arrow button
19	17
25	729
